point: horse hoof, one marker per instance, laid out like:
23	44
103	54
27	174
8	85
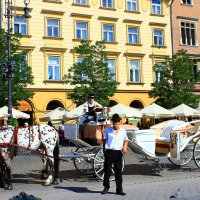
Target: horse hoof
55	182
8	187
44	176
47	184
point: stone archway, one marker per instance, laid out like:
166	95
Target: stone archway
27	107
54	104
137	104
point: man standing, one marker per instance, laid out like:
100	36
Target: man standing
115	145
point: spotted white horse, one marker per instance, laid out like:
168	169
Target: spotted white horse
37	138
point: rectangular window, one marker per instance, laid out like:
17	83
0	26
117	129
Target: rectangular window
82	2
133	35
131	5
107	3
187	2
23	68
158	68
156	7
188	33
81	30
134	71
20	25
112	68
84	75
108	33
53	28
158	37
54	68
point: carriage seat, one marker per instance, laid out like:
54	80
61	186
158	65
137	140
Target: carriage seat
100	117
162	145
191	130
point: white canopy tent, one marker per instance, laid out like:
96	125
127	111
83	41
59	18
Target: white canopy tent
54	115
125	111
75	113
156	111
184	110
16	113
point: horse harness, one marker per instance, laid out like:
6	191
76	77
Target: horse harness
14	141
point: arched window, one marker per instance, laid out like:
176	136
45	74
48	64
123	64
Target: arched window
53	105
137	104
112	103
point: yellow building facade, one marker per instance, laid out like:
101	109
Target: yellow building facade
137	34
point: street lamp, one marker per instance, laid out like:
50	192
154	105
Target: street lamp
9	67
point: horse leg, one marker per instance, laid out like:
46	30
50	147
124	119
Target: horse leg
56	163
1	173
49	180
44	168
53	163
6	173
7	177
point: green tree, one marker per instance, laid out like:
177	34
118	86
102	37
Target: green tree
91	74
21	73
176	82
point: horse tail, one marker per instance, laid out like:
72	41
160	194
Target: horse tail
56	160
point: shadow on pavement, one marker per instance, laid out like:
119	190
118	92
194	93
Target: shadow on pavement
141	169
78	189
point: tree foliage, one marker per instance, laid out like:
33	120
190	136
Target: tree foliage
176	82
21	75
91	75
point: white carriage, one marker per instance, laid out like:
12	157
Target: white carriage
179	142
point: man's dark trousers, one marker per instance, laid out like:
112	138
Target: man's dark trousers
113	157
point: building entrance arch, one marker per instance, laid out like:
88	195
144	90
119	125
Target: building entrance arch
26	106
112	103
137	104
54	104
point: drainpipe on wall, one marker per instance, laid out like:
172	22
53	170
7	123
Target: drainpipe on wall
172	29
1	14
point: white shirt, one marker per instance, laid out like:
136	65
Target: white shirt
94	104
115	140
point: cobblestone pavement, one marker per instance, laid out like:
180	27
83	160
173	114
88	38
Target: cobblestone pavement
142	181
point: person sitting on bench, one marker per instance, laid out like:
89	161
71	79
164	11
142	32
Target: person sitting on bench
90	106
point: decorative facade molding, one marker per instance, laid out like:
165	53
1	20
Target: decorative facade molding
53	1
81	15
108	18
53	12
157	24
132	21
53	49
127	54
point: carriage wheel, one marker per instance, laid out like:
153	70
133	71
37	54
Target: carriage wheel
84	164
99	165
196	153
185	155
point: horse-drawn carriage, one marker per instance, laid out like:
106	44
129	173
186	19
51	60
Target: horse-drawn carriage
179	142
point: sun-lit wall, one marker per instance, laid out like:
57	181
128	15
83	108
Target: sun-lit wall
67	12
